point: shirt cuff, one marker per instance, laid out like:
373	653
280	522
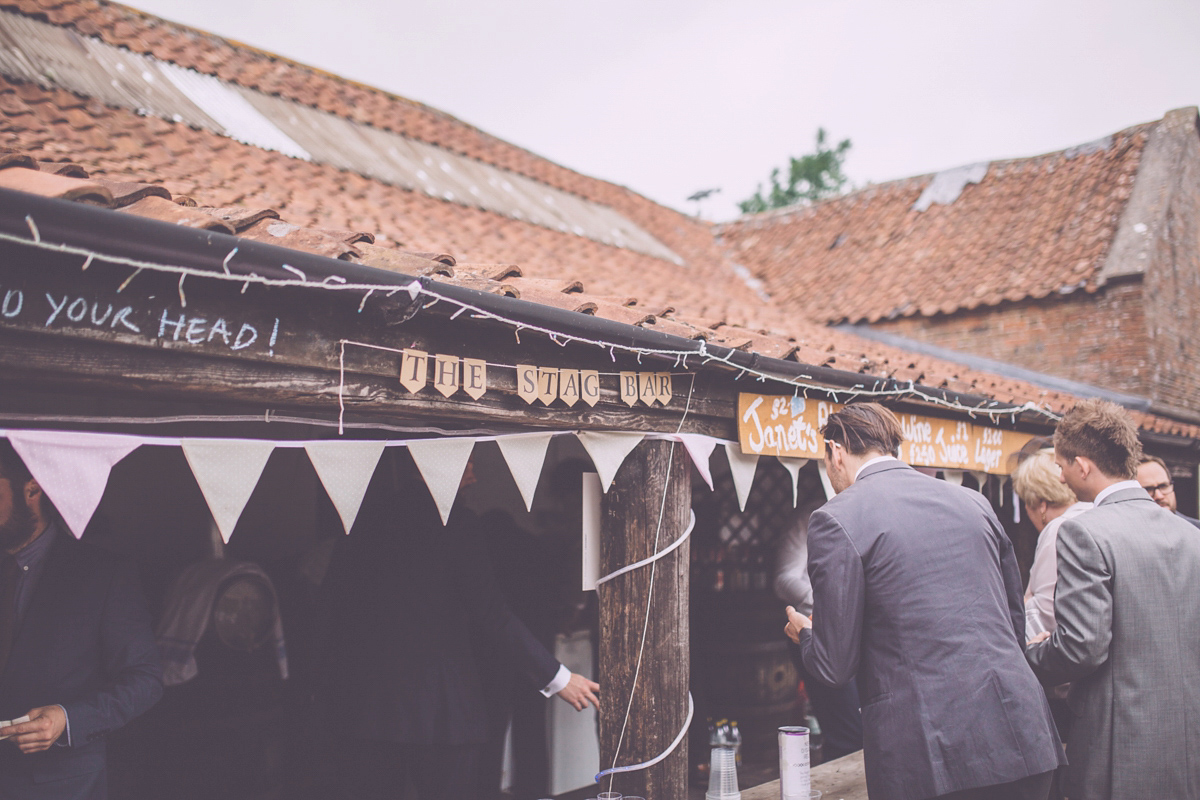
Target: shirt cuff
561	679
65	739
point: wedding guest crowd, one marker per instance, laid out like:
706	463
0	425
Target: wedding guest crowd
916	593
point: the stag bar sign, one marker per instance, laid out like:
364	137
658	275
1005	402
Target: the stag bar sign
789	426
534	384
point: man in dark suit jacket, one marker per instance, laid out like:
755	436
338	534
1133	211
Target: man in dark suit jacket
1155	478
77	653
1128	624
916	589
408	600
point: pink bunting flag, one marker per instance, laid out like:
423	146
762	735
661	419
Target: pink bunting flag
72	468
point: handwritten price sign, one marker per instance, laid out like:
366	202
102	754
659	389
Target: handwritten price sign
774	425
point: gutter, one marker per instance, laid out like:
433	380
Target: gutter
109	232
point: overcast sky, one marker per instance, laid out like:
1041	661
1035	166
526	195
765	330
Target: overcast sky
671	96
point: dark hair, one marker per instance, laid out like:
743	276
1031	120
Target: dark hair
12	467
1102	432
863	427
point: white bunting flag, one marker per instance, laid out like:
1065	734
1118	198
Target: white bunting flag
980	479
227	471
829	492
700	447
954	476
525	456
743	467
345	469
608	451
72	468
793	465
442	462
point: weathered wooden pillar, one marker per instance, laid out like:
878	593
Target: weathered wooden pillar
630	514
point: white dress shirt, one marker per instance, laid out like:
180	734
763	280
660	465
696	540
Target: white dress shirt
874	460
1043	575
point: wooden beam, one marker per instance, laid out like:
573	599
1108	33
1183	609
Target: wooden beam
653	481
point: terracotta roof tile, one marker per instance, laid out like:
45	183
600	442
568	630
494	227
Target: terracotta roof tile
50	185
1031	226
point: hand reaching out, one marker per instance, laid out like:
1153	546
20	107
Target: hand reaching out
580	691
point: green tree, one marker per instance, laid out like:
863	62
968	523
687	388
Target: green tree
810	178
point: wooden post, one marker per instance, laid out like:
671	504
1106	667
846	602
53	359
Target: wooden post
655	471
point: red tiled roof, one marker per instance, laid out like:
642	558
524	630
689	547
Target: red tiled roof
154	167
1032	227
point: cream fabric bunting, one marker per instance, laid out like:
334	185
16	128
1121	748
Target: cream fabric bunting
829	492
442	462
345	469
700	448
525	456
743	467
227	471
608	452
954	476
72	468
793	465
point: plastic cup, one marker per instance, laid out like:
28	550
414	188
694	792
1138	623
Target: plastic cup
609	796
794	777
722	775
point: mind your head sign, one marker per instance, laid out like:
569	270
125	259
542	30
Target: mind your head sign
788	426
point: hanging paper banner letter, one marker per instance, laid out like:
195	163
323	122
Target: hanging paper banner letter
647	387
474	378
664	387
629	388
568	386
413	370
589	386
445	374
547	385
527	384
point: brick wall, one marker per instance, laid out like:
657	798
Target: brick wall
1099	338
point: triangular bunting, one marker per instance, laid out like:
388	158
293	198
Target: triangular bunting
980	478
345	469
743	467
608	451
72	468
525	456
954	476
227	471
793	465
700	447
825	484
442	462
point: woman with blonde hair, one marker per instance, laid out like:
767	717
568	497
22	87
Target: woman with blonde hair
1048	502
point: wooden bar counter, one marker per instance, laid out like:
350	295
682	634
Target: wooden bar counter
842	779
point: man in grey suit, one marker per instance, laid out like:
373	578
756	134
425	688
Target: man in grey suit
916	589
1128	633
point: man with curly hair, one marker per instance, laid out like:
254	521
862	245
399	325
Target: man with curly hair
1128	624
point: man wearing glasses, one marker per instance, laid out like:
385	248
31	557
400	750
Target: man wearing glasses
1152	474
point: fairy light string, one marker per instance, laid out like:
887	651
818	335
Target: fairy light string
421	288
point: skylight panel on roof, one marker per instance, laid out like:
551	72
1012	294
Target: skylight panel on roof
232	112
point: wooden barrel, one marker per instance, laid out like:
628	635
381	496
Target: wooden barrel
754	683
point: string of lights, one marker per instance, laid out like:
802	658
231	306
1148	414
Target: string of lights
416	289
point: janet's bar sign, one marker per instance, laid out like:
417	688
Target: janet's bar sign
774	425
